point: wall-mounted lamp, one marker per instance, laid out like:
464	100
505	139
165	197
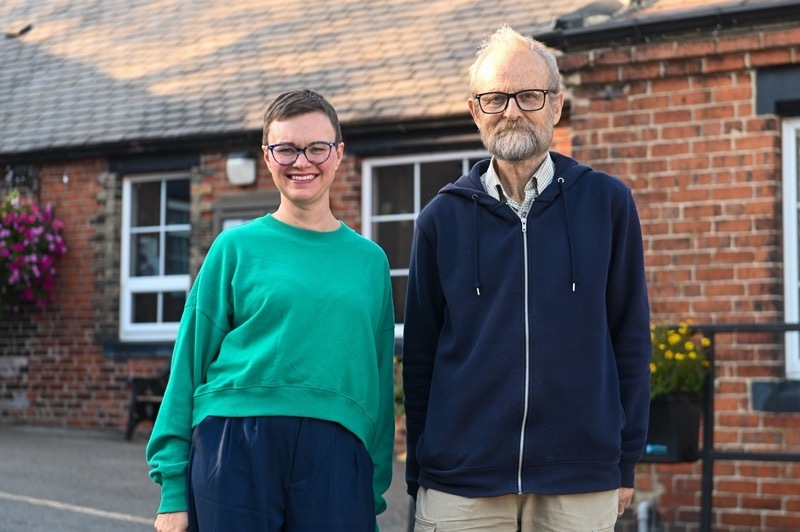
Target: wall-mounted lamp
241	168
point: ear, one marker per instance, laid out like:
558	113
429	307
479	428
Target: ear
473	110
267	159
558	106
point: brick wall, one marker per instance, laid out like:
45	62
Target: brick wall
677	121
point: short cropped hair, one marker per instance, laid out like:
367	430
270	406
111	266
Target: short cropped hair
299	102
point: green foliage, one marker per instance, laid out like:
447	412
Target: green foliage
679	363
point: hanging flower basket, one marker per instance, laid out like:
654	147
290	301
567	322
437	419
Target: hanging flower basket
30	244
678	373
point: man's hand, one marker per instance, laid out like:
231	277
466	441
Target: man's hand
172	522
624	499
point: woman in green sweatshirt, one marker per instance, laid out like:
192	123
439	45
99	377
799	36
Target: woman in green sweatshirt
279	411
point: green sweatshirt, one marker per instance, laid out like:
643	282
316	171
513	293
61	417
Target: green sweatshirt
282	321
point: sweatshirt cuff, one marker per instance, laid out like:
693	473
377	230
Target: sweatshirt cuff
627	472
173	495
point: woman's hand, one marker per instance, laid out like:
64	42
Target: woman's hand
172	522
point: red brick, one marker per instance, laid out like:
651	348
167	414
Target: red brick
683	68
712	81
713	112
599	75
767	58
672	116
681	131
757	142
691	98
724	63
668	149
640	71
621	56
739	43
658	101
733	94
740	518
782	521
694	49
782	38
652	52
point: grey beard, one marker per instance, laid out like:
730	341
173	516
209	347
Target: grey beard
516	144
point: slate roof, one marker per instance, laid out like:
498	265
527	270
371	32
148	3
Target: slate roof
95	72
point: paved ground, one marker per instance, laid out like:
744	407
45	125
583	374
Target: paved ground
93	481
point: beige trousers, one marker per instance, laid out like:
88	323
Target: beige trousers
582	512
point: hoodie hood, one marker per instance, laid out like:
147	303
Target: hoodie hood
567	173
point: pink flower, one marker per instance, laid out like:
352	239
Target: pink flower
30	244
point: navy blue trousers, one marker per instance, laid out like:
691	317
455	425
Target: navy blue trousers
278	474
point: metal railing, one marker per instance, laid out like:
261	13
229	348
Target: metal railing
709	454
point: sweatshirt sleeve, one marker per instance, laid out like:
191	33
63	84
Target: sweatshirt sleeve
382	448
629	324
422	325
198	341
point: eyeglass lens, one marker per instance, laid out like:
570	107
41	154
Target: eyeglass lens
316	153
496	102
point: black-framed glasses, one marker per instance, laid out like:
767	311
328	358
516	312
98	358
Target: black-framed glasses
493	103
286	154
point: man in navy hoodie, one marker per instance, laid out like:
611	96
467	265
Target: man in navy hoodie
527	336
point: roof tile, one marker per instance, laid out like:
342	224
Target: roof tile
94	72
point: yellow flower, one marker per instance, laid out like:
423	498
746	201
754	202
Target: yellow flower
679	359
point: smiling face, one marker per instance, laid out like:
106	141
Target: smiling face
304	184
515	135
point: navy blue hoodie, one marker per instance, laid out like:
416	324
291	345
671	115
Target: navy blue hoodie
526	345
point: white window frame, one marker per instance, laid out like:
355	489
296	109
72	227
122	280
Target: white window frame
129	331
367	218
791	247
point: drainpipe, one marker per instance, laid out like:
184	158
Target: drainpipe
643	516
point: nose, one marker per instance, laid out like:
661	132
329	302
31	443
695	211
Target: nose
302	160
512	109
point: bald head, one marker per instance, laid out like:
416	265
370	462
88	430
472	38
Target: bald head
506	49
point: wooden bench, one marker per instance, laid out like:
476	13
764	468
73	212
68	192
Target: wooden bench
146	396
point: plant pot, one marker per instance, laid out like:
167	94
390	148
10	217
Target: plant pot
674	430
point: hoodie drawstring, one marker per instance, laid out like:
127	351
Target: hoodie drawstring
475	240
569	233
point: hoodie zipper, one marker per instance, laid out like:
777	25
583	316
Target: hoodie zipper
527	354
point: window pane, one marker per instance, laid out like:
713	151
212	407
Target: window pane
177	201
145	308
173	306
433	176
393	189
146	204
395	239
177	253
399	285
144	254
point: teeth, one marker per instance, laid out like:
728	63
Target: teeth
302	177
